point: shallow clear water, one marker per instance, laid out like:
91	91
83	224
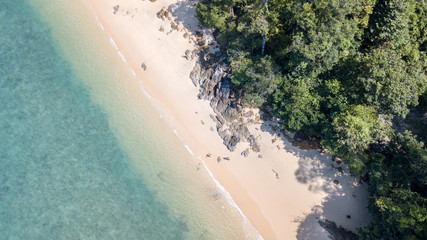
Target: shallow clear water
62	172
82	154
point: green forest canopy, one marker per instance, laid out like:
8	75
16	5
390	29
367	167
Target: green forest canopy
341	70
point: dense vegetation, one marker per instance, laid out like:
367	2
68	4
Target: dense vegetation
342	70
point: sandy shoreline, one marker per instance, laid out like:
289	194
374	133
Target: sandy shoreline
283	207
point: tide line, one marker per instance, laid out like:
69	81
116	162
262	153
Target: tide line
218	185
222	189
189	150
229	198
99	23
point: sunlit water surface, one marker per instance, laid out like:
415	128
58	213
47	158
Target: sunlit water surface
83	155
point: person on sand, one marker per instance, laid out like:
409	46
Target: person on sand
208	155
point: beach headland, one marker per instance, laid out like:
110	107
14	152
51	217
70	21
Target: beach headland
282	190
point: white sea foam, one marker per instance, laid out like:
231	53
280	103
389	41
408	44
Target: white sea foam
146	94
229	198
99	23
219	186
123	57
113	43
189	150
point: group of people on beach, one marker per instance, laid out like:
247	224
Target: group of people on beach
210	155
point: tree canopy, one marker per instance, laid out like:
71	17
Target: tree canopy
341	70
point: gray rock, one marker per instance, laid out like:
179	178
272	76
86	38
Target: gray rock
219	127
222	100
248	114
254	143
224	134
187	53
209	79
116	8
241	130
220	119
231	142
245	153
219	105
230	114
143	66
225	89
195	74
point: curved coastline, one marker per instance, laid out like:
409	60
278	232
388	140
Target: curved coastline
258	198
221	188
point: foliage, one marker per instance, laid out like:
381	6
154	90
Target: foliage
257	78
351	133
399	187
388	83
297	104
401	214
340	70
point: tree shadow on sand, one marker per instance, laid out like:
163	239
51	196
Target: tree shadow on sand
315	168
346	201
184	12
345	210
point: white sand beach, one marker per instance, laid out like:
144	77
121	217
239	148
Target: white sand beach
284	193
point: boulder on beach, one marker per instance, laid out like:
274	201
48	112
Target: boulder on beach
116	8
245	153
195	74
143	66
230	114
248	114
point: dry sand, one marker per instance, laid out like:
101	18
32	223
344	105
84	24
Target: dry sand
284	193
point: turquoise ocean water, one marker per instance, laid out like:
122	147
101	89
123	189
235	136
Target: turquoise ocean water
79	157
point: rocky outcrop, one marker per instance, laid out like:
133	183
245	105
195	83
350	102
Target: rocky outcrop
164	14
209	79
210	75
